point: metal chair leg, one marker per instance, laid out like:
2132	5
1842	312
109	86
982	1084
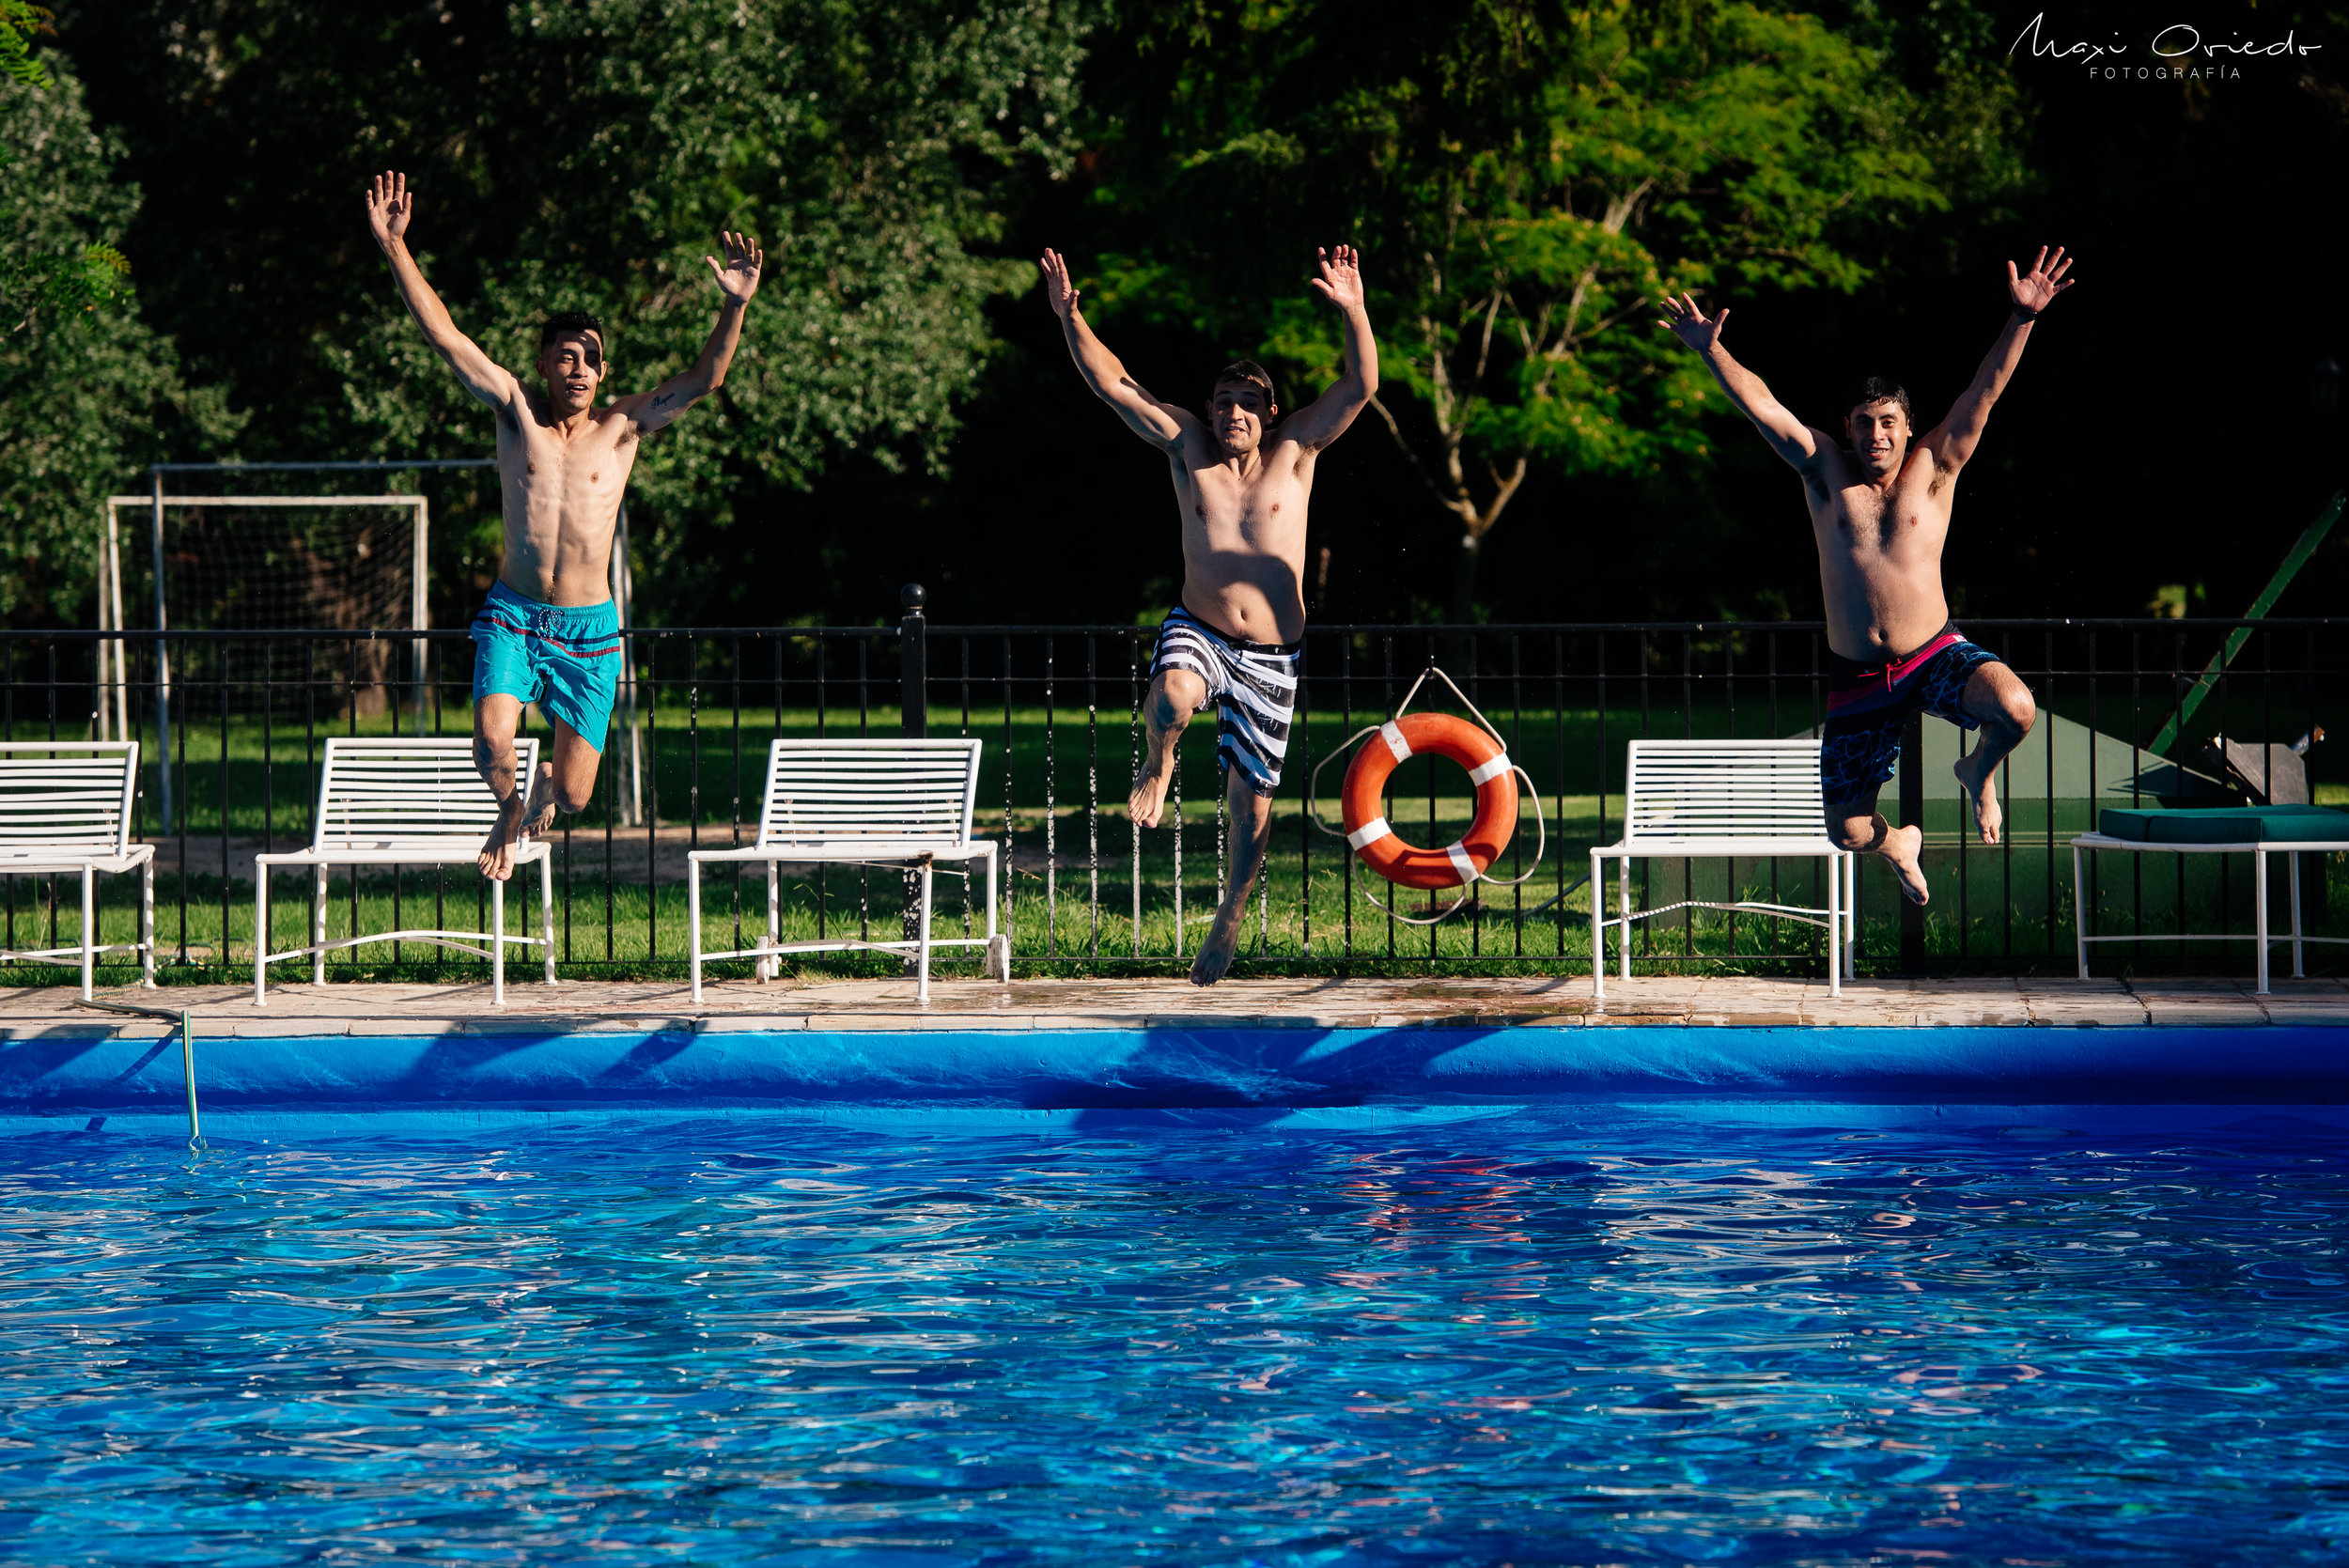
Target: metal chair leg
1851	915
546	910
2259	914
1622	904
771	964
2079	909
693	923
147	922
260	934
2299	970
497	942
1598	950
1834	929
89	912
921	936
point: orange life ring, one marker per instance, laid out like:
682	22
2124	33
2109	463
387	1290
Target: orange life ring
1382	849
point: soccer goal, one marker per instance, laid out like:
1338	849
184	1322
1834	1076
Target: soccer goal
273	563
253	563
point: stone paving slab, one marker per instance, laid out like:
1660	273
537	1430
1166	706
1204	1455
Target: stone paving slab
963	1004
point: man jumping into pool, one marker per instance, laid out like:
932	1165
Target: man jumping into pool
1243	477
1880	512
550	634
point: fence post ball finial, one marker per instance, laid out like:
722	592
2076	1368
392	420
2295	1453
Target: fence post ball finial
912	597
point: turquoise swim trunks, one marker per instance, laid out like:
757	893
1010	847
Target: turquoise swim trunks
566	658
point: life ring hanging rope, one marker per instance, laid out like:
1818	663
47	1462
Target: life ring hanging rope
1494	772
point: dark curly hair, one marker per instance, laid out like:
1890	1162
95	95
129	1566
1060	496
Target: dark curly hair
1879	389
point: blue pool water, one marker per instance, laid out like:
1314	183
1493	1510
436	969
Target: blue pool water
1587	1337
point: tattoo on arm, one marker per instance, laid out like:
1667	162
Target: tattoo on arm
664	399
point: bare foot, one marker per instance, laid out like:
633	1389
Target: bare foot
539	816
1149	799
1984	797
1902	846
496	859
1215	953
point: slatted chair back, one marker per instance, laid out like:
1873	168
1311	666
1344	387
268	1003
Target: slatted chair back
421	793
67	795
847	792
1718	789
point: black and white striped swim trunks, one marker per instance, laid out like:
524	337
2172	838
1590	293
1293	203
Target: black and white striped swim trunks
1251	685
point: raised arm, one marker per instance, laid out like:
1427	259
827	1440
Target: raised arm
1161	424
738	280
1790	438
1954	439
389	209
1325	419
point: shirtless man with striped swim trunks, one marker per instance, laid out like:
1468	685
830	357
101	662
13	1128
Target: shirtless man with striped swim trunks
1880	512
1243	476
550	634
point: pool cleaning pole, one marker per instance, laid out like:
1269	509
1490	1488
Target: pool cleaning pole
186	1050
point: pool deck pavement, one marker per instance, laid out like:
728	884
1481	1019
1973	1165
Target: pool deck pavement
1058	1004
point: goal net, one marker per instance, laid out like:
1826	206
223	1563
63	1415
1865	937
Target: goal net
277	563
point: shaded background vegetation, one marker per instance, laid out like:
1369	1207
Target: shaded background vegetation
1849	178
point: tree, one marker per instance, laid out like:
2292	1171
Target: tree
580	156
1526	178
87	391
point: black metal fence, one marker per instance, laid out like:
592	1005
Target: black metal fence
233	725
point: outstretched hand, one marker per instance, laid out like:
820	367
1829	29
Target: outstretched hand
1059	292
1689	323
389	208
738	275
1341	279
2036	290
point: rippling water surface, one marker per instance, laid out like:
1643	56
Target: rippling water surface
1594	1340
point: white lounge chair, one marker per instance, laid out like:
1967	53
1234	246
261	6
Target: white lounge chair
1687	799
394	802
65	809
864	802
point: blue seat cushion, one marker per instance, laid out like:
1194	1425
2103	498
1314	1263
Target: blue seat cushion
2228	825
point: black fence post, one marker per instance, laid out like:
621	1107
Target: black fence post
914	721
1912	787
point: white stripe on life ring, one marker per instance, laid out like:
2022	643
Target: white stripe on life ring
1368	833
1392	734
1490	771
1461	863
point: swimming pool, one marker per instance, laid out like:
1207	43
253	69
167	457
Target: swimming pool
1574	1336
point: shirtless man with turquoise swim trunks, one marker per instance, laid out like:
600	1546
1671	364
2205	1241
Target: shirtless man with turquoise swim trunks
550	634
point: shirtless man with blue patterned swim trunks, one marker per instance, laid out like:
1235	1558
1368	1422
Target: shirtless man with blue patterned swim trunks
1880	512
550	634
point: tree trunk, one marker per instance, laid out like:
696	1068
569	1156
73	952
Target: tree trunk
1464	581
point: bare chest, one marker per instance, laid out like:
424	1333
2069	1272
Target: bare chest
1258	508
1868	523
584	466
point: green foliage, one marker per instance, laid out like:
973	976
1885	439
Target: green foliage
32	281
87	395
18	22
1526	179
582	155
